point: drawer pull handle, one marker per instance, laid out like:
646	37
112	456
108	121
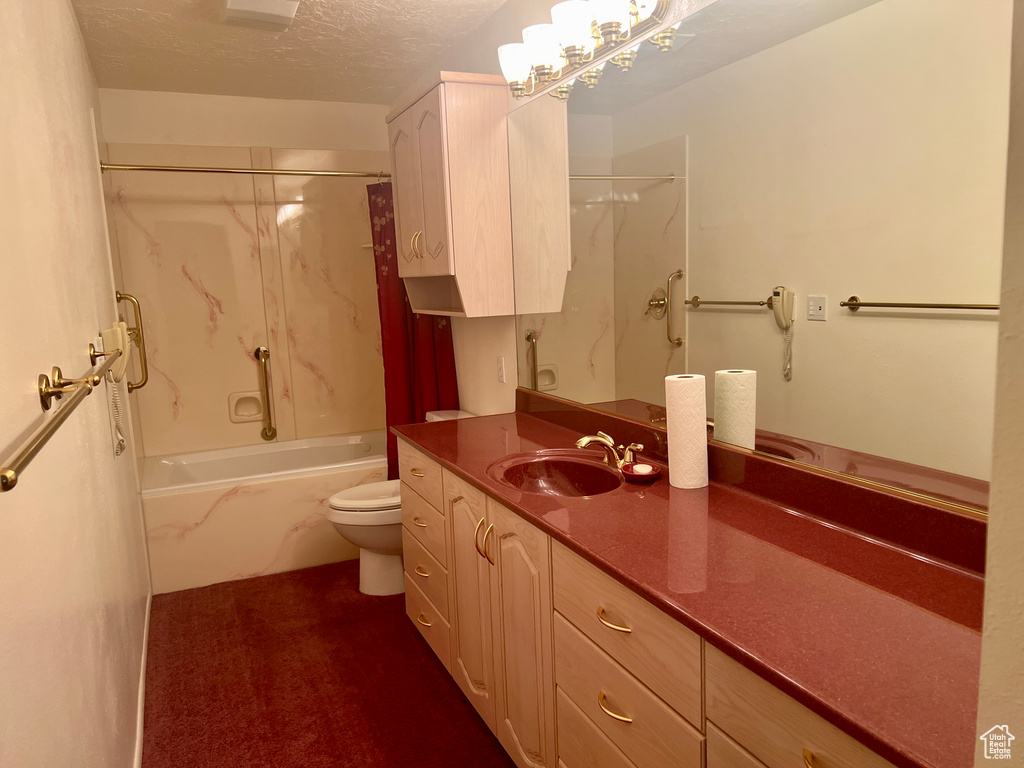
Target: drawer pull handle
416	472
603	620
419	521
455	500
418	570
808	759
486	552
423	620
476	538
615	715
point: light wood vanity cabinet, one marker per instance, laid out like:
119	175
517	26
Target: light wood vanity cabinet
570	668
450	174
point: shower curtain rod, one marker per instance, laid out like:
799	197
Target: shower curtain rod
379	175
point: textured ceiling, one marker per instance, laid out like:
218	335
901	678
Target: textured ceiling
336	50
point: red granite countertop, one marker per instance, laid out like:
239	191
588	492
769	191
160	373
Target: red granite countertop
883	643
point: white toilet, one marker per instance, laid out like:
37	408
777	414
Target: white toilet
370	516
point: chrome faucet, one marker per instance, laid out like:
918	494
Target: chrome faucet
619	456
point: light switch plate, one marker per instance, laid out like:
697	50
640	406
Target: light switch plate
817	308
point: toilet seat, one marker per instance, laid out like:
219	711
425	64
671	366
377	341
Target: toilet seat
370	504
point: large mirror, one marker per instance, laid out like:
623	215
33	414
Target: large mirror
863	157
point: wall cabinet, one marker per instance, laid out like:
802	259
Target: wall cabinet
450	174
570	668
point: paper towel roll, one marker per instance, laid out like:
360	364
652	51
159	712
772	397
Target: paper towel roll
735	407
687	416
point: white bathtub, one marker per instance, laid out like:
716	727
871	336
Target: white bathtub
236	513
230	466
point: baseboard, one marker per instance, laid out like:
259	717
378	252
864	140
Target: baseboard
142	686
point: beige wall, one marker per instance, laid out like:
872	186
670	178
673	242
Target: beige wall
865	157
1001	697
72	555
157	117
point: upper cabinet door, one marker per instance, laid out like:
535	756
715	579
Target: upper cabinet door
407	193
435	244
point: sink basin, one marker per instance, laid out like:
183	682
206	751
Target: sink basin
557	473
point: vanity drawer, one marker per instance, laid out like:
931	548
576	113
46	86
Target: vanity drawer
582	592
723	752
420	473
605	692
773	727
424	570
425	523
581	744
428	621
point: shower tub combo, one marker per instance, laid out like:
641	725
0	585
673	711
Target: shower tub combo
240	512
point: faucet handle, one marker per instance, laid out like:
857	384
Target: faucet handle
607	437
629	453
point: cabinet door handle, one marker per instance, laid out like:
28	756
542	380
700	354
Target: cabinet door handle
603	620
454	500
808	758
418	570
416	472
419	522
615	715
416	244
486	534
476	538
422	620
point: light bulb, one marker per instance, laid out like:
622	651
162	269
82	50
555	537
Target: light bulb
545	50
572	20
514	59
610	11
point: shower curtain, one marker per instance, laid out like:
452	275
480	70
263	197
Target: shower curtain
419	358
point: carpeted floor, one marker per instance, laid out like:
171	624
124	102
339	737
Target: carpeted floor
301	670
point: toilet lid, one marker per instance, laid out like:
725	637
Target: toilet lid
385	495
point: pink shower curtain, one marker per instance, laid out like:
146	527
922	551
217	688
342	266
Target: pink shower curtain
419	358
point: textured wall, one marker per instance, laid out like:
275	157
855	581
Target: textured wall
73	570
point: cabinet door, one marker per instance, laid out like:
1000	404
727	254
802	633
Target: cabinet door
435	243
405	174
471	657
521	624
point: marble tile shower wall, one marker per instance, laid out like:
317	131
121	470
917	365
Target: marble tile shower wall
225	263
579	342
650	244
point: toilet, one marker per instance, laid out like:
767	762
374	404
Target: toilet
370	516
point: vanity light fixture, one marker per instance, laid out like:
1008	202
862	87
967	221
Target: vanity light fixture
581	31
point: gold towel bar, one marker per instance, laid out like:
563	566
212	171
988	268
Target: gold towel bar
696	301
378	175
14	465
854	303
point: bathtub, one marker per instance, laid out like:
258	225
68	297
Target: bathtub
236	513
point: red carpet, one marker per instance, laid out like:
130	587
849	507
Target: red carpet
301	670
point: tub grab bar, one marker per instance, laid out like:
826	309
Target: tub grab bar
531	339
79	389
675	341
269	431
138	335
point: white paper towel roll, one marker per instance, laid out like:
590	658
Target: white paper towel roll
687	430
735	407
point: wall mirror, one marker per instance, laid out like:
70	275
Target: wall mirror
864	156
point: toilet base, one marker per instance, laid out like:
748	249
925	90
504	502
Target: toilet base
380	574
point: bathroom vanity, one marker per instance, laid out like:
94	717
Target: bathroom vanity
649	625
